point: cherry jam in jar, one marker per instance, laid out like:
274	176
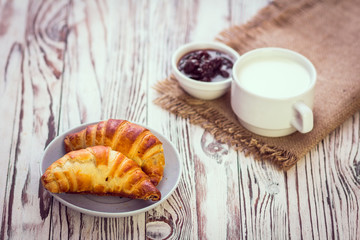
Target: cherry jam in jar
206	65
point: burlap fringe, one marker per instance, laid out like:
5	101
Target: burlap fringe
201	113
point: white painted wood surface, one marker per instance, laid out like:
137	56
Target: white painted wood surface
68	62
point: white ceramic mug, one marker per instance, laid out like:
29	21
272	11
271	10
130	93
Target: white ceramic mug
272	93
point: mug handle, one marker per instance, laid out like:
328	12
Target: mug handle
304	119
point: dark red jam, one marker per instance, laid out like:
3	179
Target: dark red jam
207	65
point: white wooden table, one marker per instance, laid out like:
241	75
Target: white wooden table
68	62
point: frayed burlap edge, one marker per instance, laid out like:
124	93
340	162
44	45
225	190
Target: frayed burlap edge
201	113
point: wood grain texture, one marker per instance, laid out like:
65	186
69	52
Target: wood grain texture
31	78
68	62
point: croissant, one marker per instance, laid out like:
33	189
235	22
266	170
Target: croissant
134	141
99	170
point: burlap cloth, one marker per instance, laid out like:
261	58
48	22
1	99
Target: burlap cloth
328	33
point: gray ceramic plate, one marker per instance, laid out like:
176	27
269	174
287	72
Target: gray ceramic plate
105	206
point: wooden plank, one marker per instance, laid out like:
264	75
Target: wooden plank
33	68
10	117
10	95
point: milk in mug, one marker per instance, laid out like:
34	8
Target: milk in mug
273	77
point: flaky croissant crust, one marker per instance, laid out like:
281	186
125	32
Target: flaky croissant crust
99	170
134	141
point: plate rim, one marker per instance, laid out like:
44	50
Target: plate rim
112	214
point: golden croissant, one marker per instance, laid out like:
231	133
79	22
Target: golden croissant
134	141
99	170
